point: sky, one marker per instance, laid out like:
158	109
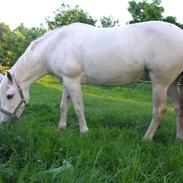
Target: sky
33	12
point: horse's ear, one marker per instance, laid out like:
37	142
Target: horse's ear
10	77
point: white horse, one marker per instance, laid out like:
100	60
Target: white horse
81	53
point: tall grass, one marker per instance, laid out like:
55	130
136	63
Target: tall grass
33	150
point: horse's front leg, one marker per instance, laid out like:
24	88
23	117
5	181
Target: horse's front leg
73	87
64	109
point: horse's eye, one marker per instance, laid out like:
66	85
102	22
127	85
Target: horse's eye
10	96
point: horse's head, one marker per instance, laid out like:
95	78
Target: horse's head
12	98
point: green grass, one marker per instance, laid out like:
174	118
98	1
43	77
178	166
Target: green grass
32	150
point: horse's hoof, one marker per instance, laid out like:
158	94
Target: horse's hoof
62	127
84	130
147	139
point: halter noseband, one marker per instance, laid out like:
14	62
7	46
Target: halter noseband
13	114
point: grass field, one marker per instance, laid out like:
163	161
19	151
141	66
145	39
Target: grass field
32	150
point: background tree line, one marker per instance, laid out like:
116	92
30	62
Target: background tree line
14	42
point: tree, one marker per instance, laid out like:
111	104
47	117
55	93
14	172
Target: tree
66	15
27	35
108	21
30	33
15	42
144	11
173	20
4	29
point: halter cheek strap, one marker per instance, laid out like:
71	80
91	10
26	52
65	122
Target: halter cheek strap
22	101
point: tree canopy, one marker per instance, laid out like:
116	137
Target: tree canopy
144	11
108	21
66	15
14	43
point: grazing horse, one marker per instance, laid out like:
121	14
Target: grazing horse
80	53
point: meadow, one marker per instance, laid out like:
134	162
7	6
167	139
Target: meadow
33	150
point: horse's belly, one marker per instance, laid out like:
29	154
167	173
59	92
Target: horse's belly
112	65
113	77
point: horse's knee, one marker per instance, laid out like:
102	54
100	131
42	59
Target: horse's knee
158	113
79	110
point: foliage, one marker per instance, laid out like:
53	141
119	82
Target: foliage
173	20
108	21
145	11
4	29
30	34
15	42
66	15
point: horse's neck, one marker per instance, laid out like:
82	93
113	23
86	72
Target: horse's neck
28	70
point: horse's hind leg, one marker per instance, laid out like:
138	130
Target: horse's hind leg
175	97
64	109
159	108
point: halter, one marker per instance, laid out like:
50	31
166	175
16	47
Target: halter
13	114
